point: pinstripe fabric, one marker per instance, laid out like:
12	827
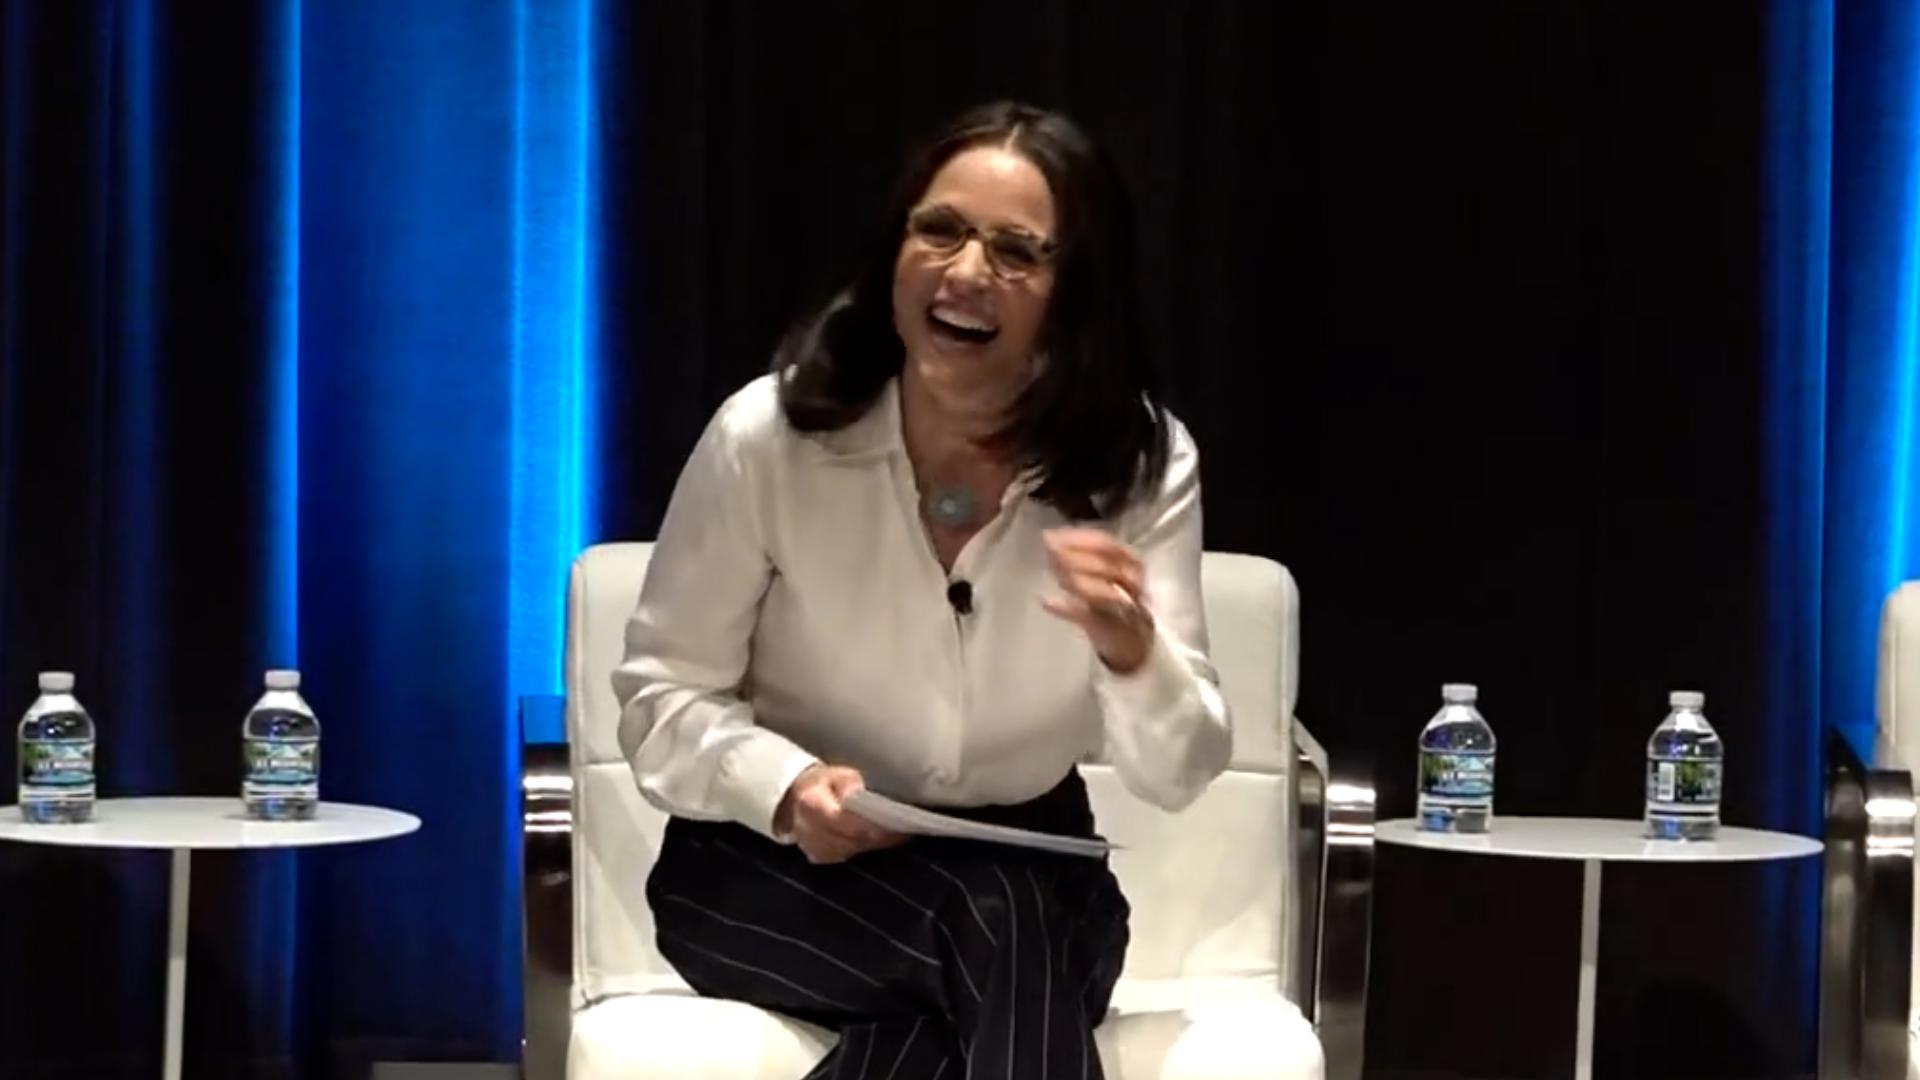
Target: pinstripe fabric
940	959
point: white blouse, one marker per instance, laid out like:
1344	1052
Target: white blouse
794	611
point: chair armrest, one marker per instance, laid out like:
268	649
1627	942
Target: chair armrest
546	881
1866	918
1333	898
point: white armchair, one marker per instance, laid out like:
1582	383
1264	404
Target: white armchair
1888	979
1250	908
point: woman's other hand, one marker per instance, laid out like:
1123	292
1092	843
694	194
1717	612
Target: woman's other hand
1103	592
812	812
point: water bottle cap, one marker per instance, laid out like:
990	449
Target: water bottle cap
1687	699
1459	693
283	680
56	682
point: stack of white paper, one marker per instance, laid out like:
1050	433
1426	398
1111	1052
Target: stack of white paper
900	817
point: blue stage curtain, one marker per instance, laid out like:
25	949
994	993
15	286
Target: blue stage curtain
1843	276
294	371
1841	266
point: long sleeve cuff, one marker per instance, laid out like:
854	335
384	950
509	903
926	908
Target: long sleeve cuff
755	775
1166	725
1155	688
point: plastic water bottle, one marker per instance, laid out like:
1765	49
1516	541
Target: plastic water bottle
1456	765
282	753
1684	760
56	755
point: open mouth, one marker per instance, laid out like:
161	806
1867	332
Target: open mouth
961	327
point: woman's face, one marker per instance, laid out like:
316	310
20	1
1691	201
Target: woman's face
970	286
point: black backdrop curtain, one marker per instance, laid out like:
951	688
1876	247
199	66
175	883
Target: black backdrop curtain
1462	304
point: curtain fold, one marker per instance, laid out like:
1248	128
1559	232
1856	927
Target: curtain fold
1844	294
294	362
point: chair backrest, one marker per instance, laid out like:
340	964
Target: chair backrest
1898	698
1208	885
1899	683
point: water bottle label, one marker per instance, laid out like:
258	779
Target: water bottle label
55	771
1683	785
57	762
1459	776
283	763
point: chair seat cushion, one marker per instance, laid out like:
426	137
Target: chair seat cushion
677	1035
1160	1029
1206	1029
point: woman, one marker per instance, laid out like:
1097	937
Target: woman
948	548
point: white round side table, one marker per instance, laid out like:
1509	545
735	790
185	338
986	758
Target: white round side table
184	825
1594	841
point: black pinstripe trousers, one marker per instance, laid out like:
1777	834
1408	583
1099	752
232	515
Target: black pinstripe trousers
937	960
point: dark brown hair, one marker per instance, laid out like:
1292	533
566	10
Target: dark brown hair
1092	427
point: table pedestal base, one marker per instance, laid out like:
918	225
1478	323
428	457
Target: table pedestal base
1589	970
178	825
1593	842
177	895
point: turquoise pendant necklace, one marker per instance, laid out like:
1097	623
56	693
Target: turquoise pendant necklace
952	507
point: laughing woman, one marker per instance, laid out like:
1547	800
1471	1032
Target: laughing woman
946	549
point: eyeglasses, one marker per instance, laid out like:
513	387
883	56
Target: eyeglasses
1012	254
